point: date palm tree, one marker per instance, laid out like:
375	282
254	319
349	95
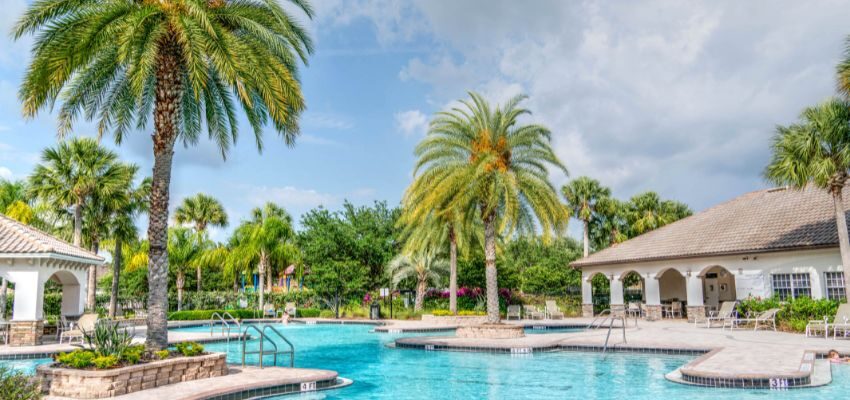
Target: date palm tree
480	160
426	267
201	211
816	151
583	195
181	64
261	240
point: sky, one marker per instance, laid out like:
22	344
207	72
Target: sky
677	97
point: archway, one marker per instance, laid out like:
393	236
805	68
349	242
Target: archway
71	303
601	292
718	285
673	291
634	288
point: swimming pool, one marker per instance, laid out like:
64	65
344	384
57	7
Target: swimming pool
380	372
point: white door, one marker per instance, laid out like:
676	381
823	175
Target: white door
711	292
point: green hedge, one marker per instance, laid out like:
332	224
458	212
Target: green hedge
199	315
794	314
307	312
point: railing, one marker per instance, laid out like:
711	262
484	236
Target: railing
225	325
263	337
606	317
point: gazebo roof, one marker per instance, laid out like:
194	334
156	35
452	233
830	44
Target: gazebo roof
17	239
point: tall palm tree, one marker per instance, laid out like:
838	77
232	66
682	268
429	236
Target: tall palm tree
181	64
583	195
201	211
481	161
122	229
183	250
816	150
11	192
426	267
611	224
646	211
261	240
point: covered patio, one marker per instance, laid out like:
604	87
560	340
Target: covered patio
30	258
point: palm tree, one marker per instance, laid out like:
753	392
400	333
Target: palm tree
816	150
183	250
646	211
261	240
583	195
611	225
181	64
426	267
122	229
481	161
201	210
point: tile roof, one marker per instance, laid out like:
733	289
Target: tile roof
765	220
18	238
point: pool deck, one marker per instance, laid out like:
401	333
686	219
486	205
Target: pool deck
723	354
240	383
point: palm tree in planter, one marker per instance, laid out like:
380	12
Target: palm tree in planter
481	161
583	194
816	150
182	64
261	240
201	211
426	267
183	249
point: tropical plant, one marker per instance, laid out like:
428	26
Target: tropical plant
481	161
15	385
201	211
646	211
107	339
816	150
426	267
182	64
11	192
122	229
260	240
611	224
583	195
183	250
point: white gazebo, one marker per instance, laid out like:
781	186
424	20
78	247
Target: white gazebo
29	258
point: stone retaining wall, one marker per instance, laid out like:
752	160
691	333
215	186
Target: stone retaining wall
26	333
96	384
455	319
491	331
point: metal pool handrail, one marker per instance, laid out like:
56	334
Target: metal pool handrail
224	324
261	352
291	351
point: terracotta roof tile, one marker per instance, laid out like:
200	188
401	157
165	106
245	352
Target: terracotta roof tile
18	238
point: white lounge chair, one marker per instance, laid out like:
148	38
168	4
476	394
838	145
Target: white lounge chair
726	311
86	323
765	318
553	311
675	310
269	311
532	312
514	311
290	309
634	310
841	322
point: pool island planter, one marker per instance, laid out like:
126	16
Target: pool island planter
456	320
490	331
97	384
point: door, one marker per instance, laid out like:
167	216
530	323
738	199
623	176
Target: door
711	291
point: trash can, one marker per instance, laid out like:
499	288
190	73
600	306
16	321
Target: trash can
375	311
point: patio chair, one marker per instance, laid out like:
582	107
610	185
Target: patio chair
553	311
4	330
675	310
634	310
514	311
726	311
269	311
532	312
290	309
86	323
818	327
765	318
65	323
841	322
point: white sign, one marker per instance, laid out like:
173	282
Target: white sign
385	292
750	284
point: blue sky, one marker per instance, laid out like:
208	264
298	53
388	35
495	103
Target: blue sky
680	98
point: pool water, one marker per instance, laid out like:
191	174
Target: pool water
25	366
380	372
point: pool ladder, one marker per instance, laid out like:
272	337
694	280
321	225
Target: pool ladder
606	316
263	338
225	325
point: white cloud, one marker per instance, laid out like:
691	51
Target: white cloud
6	173
289	196
411	123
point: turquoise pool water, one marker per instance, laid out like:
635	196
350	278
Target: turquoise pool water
26	366
384	373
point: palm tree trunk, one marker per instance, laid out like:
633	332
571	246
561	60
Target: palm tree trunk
262	268
169	90
420	295
181	281
116	273
269	280
198	277
490	269
843	237
586	237
4	287
452	271
92	280
78	223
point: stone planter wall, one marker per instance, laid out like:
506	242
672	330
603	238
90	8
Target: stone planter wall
85	384
26	333
491	331
455	320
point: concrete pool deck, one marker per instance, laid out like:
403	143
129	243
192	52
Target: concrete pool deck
724	355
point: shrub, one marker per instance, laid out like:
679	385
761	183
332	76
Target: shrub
77	358
190	349
326	314
162	354
104	362
307	312
133	354
794	314
201	315
14	385
107	339
467	313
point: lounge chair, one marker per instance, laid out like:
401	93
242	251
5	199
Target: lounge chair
514	311
86	323
634	310
765	318
726	311
532	312
269	311
290	309
841	322
675	310
553	311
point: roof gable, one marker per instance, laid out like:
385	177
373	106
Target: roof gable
18	238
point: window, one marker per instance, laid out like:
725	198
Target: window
834	285
791	286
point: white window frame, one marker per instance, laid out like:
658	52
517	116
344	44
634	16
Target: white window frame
793	280
834	281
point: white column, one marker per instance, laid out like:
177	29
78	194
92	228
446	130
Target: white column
29	296
653	290
694	287
586	290
616	291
